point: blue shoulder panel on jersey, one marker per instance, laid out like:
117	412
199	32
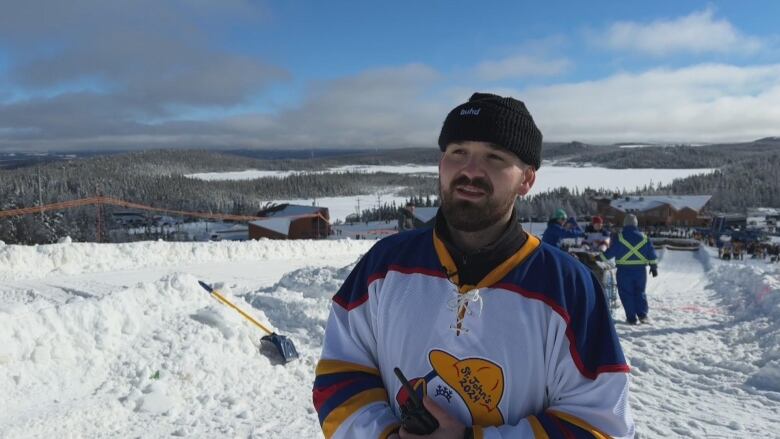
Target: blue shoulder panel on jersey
409	252
571	290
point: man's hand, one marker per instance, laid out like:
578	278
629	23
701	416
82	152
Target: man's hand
654	270
449	426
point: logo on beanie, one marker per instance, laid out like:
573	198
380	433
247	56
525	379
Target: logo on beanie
470	112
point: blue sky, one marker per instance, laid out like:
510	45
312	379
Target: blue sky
305	74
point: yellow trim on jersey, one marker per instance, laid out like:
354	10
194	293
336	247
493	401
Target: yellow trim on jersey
537	428
349	407
392	428
498	273
325	367
531	244
479	433
571	419
446	260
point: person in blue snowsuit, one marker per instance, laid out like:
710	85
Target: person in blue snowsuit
556	231
633	251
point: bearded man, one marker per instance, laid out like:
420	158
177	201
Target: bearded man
501	335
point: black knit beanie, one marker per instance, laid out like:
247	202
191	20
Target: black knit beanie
494	119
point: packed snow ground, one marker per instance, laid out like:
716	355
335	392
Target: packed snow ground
118	340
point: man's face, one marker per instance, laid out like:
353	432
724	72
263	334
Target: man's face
478	183
597	226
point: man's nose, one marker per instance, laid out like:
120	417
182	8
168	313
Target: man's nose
473	167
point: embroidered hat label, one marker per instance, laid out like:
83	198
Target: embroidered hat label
470	111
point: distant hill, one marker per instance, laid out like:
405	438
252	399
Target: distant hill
616	156
748	176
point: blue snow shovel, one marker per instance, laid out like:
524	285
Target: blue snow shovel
283	344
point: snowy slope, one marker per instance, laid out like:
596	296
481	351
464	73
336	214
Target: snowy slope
120	341
694	367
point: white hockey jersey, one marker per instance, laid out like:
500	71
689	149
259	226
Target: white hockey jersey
529	352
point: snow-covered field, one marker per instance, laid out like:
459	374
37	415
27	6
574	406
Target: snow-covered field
548	177
251	174
118	340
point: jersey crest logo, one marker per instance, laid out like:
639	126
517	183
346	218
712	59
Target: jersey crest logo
477	383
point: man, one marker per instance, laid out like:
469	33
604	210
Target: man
501	336
559	228
633	251
406	218
596	236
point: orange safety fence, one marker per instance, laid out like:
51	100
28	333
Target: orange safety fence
121	203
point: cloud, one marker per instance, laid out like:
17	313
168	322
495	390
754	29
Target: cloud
520	66
699	32
91	69
405	106
388	107
125	74
706	103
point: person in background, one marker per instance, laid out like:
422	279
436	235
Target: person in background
559	228
596	235
633	251
499	335
406	218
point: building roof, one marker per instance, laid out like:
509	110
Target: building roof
425	214
290	210
647	202
278	225
763	211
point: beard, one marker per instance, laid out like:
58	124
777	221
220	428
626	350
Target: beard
469	216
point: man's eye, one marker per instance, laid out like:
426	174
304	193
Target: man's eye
496	157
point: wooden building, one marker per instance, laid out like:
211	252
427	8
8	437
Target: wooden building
289	221
657	210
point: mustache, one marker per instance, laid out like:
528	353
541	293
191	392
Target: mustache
480	183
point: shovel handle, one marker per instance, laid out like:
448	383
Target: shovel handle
222	299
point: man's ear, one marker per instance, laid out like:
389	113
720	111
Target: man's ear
529	177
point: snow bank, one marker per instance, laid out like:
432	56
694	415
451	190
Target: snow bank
751	291
300	301
164	358
25	262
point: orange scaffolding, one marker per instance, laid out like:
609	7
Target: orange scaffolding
99	201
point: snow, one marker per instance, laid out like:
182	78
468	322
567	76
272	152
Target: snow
647	202
548	177
251	174
118	340
551	177
694	367
341	207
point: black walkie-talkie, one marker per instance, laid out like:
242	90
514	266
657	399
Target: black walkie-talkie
415	418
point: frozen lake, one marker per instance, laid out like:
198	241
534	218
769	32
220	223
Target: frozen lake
548	177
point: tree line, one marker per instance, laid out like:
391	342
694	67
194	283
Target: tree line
157	178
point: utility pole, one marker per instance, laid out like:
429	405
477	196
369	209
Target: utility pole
98	218
40	197
98	223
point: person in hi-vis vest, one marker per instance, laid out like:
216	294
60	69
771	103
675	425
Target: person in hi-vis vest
633	251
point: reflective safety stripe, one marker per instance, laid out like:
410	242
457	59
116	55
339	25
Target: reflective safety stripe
633	250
